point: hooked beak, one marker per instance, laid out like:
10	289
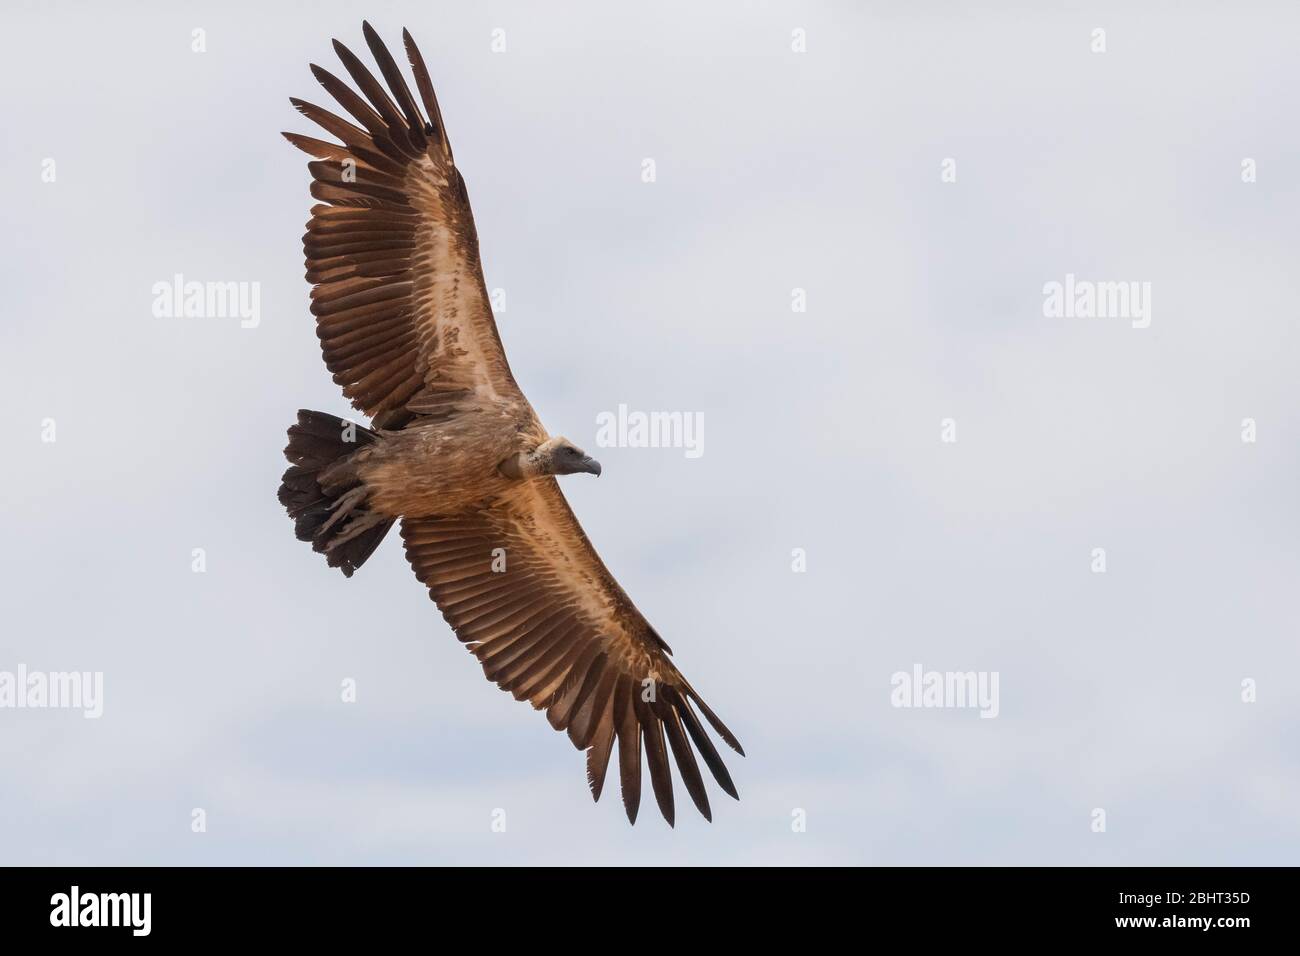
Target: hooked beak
591	466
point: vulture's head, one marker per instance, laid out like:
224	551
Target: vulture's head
563	457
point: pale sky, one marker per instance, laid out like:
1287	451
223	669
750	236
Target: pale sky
776	170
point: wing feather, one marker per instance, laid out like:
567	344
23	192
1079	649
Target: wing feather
602	745
555	629
685	757
403	314
396	83
661	779
629	749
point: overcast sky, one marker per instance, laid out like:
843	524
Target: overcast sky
776	171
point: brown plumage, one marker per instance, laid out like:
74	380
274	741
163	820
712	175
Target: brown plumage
457	453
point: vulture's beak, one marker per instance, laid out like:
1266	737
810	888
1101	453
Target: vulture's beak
591	466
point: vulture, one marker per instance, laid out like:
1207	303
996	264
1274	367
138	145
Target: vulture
456	454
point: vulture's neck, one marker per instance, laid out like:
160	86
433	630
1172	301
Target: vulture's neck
527	464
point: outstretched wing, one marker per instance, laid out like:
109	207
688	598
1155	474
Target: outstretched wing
550	625
401	308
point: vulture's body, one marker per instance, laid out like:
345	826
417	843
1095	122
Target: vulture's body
456	452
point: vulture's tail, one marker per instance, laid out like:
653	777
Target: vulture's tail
323	493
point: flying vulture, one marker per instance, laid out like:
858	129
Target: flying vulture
456	453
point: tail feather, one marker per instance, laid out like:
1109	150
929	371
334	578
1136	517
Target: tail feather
325	496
